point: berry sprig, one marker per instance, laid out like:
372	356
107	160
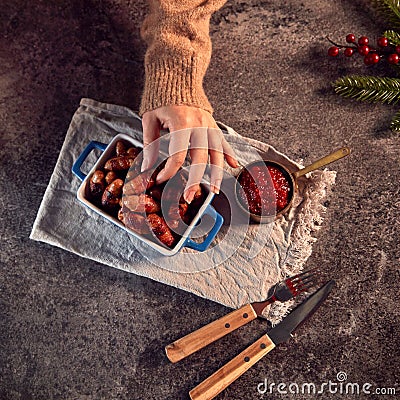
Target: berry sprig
363	47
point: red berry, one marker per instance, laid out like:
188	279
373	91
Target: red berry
333	51
383	42
367	60
363	50
371	58
348	52
363	40
393	59
350	38
398	49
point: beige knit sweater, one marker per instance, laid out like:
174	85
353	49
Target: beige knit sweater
178	52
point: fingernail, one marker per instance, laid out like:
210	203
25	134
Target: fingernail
160	177
189	195
145	165
214	189
216	186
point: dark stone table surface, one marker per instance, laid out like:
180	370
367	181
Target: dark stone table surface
71	328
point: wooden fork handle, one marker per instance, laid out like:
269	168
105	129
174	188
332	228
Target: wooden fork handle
227	374
215	330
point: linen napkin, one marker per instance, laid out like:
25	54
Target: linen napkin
243	263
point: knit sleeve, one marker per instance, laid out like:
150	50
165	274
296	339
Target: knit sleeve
178	53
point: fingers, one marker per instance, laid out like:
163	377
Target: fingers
199	159
203	141
151	132
178	146
229	154
215	150
219	149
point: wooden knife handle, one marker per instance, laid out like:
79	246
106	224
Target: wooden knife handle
196	340
227	374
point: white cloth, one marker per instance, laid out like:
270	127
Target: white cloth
267	253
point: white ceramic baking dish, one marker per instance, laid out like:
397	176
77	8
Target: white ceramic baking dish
185	240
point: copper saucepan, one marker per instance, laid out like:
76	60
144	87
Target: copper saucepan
290	178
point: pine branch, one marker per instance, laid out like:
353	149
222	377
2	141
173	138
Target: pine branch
390	10
369	88
393	37
395	123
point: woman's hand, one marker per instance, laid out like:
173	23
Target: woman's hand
191	128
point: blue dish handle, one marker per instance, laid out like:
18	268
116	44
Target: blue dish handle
76	168
218	221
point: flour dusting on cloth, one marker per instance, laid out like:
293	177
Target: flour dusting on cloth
239	274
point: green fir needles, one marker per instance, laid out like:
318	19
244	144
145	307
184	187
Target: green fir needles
390	10
369	88
375	89
395	123
393	37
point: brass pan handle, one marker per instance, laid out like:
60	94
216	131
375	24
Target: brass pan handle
336	155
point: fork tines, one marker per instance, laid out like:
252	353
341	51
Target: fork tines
302	282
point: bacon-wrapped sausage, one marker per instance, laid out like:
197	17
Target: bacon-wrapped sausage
135	222
177	211
120	163
132	152
111	176
120	148
139	184
160	229
112	194
141	203
97	184
174	188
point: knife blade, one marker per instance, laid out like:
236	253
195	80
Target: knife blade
227	374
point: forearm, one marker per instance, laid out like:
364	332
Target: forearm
178	53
